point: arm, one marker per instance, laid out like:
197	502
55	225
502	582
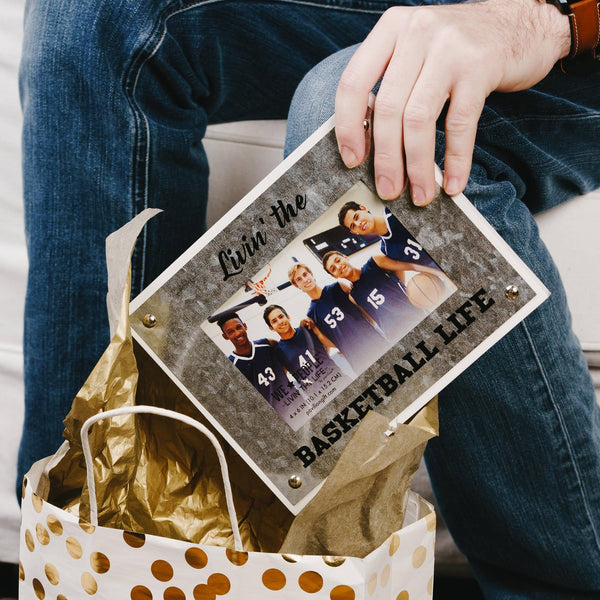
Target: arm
398	268
322	337
431	55
363	312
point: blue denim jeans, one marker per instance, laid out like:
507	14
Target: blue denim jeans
116	98
516	468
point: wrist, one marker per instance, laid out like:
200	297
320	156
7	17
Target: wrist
584	25
558	28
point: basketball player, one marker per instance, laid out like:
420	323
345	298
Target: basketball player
348	326
396	241
378	289
301	351
258	361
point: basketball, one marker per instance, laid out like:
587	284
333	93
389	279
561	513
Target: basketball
425	291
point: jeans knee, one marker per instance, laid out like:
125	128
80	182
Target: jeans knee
314	99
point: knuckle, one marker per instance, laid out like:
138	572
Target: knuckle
344	133
344	129
392	14
422	21
456	158
384	159
416	171
349	82
459	124
417	116
463	116
386	107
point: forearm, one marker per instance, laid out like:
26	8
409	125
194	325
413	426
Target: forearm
323	338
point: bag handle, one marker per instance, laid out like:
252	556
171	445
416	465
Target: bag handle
85	444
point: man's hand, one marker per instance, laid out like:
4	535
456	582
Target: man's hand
431	55
345	285
308	323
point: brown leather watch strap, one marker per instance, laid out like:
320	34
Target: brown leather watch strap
585	27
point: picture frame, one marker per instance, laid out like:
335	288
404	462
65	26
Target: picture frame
290	424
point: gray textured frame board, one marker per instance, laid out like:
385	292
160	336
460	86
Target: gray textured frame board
202	281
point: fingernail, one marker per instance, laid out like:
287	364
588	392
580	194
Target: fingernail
348	156
418	195
452	186
385	187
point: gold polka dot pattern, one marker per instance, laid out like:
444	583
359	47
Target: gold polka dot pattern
219	583
37	502
430	521
140	592
310	582
29	540
291	558
196	558
273	579
408	555
162	570
88	583
54	525
173	593
236	558
99	562
135	540
385	575
38	588
203	592
342	592
372	584
419	556
42	534
52	574
74	547
87	527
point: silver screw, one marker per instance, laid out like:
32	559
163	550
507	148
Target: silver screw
149	321
511	292
295	481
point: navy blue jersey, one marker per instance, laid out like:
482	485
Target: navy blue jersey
265	372
343	323
383	296
305	357
399	244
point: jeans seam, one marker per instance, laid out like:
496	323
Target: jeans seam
582	492
130	81
485	124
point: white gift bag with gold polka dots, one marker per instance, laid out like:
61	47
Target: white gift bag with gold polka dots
63	559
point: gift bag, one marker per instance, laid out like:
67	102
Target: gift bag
64	558
168	528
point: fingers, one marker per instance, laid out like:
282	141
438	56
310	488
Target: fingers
388	121
420	72
358	79
461	128
427	98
